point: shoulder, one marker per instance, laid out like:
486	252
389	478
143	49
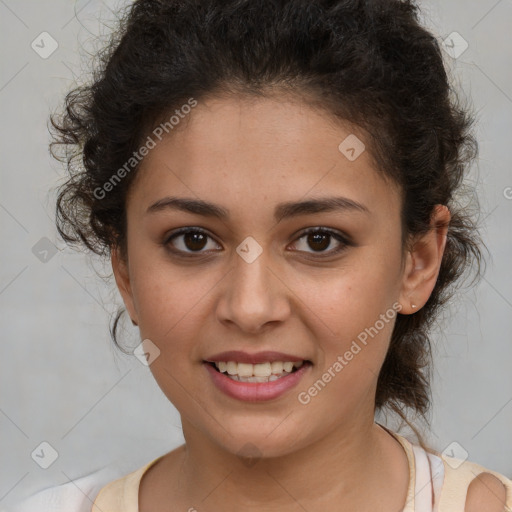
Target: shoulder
486	492
122	495
472	487
74	496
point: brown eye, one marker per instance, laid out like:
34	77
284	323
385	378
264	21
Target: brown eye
189	241
319	240
194	241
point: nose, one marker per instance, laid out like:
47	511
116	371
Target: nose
254	296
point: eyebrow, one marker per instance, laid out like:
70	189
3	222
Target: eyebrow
282	210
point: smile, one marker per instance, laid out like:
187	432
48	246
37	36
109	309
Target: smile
256	382
262	372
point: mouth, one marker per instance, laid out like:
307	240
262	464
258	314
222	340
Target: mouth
256	377
257	373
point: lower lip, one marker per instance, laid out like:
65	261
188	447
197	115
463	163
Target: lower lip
256	391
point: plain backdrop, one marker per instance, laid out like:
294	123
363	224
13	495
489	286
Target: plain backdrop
61	380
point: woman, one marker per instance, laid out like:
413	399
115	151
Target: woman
274	183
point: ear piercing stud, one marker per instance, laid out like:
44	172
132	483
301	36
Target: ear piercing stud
413	306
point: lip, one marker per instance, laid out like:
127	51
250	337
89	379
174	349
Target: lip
256	391
258	357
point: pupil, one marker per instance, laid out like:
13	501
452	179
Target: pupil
315	238
192	239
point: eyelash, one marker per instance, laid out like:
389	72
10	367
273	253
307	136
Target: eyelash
326	231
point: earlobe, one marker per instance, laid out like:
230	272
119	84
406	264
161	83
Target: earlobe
424	261
122	277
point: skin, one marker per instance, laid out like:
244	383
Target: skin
247	155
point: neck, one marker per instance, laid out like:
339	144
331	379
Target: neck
341	466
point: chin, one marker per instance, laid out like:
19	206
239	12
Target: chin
262	439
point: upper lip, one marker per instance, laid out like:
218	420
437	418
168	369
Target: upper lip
258	357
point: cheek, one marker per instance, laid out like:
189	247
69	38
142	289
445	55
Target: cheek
352	314
349	363
171	302
349	298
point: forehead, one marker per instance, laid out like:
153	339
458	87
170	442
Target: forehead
259	151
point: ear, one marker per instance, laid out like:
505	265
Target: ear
423	262
122	276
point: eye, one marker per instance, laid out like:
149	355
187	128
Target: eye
188	240
320	239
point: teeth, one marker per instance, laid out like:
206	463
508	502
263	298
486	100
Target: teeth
232	368
245	370
261	372
277	367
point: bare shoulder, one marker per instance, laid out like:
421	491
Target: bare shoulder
486	492
472	487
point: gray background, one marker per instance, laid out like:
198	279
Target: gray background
61	380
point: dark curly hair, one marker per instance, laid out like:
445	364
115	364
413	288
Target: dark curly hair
368	62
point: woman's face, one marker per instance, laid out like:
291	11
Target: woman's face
253	282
